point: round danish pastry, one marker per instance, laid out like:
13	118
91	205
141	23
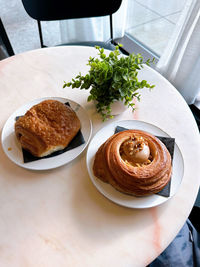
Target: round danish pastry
134	162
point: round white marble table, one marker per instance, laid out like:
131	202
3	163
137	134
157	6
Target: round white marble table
57	217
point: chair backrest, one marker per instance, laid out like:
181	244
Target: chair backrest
46	10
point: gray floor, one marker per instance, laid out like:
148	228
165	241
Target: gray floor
149	21
22	30
152	21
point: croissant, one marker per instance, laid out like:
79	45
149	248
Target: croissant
134	162
47	127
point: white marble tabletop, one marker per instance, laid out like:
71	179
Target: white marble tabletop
57	217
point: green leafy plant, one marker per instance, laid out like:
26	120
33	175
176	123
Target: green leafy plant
112	77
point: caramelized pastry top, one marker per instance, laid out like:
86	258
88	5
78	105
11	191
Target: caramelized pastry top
47	126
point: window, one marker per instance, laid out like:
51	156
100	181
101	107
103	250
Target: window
149	25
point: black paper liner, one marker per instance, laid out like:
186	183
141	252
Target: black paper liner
169	142
75	142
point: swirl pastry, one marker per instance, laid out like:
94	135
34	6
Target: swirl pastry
134	162
47	127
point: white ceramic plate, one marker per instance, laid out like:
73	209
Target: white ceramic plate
123	199
13	149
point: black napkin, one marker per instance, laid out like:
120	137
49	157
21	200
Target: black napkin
169	143
76	141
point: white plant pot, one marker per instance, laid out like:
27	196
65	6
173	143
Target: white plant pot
118	107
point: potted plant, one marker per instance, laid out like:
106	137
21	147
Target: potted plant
112	78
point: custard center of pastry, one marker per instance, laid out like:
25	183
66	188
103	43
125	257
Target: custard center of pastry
135	150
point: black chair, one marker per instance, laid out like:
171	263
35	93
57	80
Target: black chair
49	10
5	42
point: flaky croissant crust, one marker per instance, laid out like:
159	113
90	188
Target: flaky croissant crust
139	181
47	127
